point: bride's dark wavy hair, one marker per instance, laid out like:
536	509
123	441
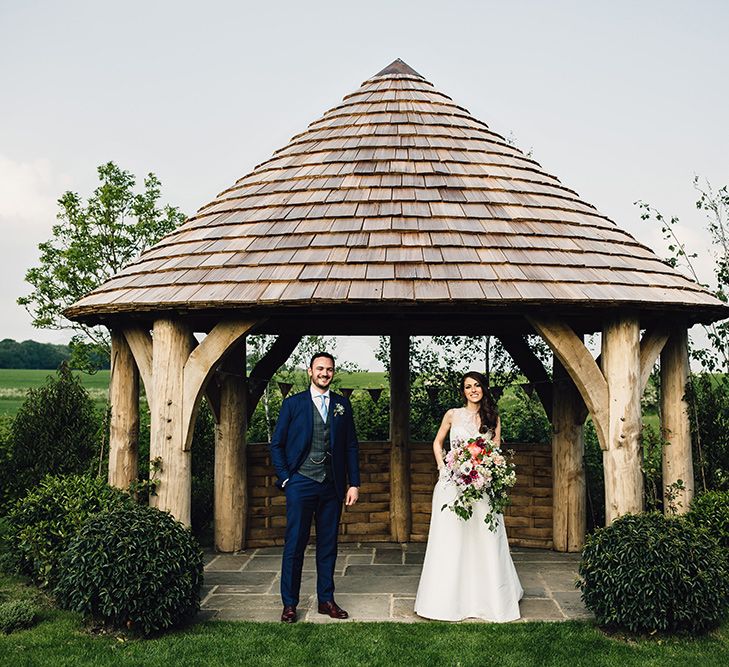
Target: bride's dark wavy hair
487	409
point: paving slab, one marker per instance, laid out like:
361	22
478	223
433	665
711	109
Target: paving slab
540	609
362	607
374	581
228	562
572	605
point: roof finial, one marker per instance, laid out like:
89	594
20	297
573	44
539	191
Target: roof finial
398	67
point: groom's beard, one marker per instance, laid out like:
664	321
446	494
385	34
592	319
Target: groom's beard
321	383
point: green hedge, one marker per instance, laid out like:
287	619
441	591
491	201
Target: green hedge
648	573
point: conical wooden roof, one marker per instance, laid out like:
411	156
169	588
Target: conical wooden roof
396	196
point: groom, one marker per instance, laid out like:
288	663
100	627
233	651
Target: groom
314	451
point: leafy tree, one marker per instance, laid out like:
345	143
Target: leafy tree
31	354
91	242
55	431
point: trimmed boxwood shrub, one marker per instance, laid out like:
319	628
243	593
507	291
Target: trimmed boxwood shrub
710	510
132	567
43	523
647	573
16	615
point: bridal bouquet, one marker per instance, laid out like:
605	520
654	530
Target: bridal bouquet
479	470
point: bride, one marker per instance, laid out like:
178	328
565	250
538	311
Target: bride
467	571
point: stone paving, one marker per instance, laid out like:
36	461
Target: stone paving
374	582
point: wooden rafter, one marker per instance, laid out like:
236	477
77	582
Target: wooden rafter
200	365
651	344
581	367
531	365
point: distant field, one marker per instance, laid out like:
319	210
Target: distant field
14	385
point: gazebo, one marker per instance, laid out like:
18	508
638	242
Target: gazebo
398	213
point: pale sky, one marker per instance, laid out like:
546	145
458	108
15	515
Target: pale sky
620	100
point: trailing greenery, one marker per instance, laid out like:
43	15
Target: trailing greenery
710	511
649	573
55	431
43	523
16	615
132	567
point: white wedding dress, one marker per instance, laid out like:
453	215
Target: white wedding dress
467	571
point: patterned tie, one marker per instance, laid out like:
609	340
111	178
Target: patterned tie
323	407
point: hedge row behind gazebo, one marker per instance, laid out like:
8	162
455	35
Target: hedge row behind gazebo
397	213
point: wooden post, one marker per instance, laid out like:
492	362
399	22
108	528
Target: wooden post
231	489
568	464
622	458
171	344
124	422
400	516
677	461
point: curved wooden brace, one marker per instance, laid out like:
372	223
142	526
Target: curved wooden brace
200	365
531	365
140	342
582	368
651	344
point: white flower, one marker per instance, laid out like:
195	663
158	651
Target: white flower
466	468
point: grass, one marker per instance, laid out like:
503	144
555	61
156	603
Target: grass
60	640
15	383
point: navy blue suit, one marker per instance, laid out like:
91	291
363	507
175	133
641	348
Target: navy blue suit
306	498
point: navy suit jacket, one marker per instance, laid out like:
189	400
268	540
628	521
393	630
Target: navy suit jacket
291	439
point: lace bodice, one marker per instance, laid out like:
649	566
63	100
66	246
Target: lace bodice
465	424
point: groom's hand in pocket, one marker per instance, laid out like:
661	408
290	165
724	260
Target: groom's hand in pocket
352	496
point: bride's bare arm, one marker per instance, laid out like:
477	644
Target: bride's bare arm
497	433
440	436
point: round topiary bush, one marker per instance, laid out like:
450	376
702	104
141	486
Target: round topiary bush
132	567
43	523
710	510
647	573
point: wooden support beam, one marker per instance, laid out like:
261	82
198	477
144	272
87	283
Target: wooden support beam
124	421
675	427
581	367
400	511
622	458
569	498
267	365
651	345
171	348
531	365
231	489
140	343
200	366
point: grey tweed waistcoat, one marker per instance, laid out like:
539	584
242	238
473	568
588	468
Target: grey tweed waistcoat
318	463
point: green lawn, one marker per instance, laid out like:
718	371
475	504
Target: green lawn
61	640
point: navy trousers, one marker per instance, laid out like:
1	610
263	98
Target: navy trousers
307	499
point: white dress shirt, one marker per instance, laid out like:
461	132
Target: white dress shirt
316	397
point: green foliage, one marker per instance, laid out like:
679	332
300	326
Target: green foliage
595	478
55	431
710	511
372	420
708	400
203	474
132	567
43	523
523	418
31	354
91	242
648	573
17	615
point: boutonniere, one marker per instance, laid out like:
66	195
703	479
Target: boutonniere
338	409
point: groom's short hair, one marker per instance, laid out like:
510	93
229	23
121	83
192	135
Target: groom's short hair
321	354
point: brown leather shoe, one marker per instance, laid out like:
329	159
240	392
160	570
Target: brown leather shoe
332	609
289	614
